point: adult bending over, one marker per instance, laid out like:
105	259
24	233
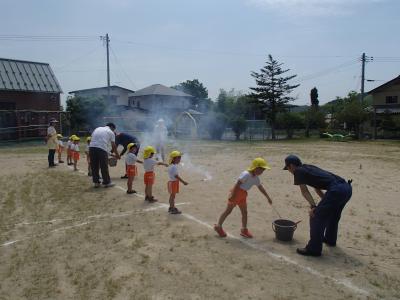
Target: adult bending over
124	140
324	217
101	140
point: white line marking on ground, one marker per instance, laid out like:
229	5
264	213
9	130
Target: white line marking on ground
100	216
344	282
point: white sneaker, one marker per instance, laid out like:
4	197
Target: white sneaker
111	184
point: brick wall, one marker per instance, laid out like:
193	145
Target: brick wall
31	101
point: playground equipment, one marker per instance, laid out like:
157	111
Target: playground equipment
186	125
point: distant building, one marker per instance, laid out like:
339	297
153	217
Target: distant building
118	95
29	97
159	99
386	100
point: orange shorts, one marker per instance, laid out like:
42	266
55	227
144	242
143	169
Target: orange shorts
240	198
131	170
75	155
173	187
149	178
60	149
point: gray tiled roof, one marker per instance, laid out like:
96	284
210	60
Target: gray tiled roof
159	89
27	76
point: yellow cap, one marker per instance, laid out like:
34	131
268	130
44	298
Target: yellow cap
72	137
130	145
149	150
76	138
259	163
59	136
174	154
88	139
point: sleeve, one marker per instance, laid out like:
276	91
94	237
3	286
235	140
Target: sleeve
244	177
112	136
299	176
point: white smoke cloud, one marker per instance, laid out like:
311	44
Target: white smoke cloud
313	7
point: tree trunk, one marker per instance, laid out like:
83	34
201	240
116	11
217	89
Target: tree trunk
273	130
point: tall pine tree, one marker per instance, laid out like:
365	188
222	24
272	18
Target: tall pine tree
273	90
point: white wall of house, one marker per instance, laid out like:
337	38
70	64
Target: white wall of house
156	103
120	96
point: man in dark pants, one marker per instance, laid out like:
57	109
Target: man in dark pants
125	139
324	217
102	139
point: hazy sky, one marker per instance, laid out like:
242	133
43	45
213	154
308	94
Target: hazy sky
218	42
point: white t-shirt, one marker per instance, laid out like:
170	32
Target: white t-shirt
130	158
172	172
102	138
69	143
75	147
60	143
148	164
248	180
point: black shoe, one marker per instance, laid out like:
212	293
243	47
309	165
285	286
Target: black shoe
174	211
52	166
131	192
306	252
124	177
325	241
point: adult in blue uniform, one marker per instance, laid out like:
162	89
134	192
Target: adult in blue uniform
324	217
124	140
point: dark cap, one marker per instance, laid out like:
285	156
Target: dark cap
292	159
111	125
52	120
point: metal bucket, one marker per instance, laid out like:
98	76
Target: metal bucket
284	229
112	161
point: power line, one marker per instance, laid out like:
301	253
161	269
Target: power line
328	71
47	38
122	69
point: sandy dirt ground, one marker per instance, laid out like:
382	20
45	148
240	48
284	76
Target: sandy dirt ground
62	239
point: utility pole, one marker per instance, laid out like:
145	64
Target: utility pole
108	68
363	59
106	40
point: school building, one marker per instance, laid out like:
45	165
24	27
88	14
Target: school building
29	97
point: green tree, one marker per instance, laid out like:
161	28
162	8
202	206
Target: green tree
238	125
273	90
215	124
314	98
199	92
353	113
289	121
85	112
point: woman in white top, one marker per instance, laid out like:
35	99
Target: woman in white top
160	138
52	142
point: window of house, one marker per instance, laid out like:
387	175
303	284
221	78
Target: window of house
391	99
132	102
138	104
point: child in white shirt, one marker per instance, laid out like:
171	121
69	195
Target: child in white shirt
174	179
75	151
60	148
149	176
238	195
131	169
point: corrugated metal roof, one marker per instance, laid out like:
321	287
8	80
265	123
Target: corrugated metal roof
27	76
159	89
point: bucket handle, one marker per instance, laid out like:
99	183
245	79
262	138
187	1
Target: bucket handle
294	226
